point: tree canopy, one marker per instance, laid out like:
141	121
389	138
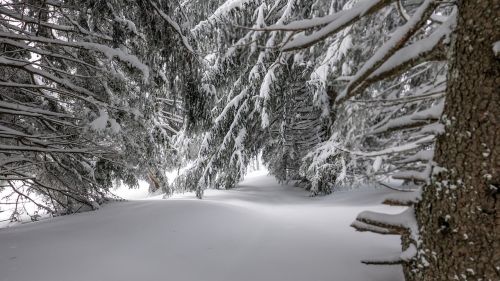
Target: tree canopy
329	93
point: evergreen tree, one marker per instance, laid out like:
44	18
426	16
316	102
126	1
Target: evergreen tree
87	97
457	205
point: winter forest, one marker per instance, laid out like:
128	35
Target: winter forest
259	140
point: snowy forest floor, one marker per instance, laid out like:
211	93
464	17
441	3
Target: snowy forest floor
260	231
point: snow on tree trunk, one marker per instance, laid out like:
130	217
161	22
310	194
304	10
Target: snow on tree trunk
458	215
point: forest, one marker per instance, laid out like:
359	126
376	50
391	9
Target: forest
340	102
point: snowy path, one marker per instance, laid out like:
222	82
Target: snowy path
261	231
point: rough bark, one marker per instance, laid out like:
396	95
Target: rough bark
458	215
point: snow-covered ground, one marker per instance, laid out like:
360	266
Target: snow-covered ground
260	231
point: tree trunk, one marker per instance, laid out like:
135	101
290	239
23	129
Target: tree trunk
458	215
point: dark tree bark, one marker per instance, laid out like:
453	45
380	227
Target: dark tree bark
458	215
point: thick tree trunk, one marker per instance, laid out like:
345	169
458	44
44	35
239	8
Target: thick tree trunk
458	215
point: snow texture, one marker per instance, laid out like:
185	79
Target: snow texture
406	255
406	197
417	49
433	113
333	23
100	122
377	163
221	12
388	46
259	231
402	148
496	48
109	52
405	219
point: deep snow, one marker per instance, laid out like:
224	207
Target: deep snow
260	231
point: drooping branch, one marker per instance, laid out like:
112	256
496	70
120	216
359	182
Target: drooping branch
174	25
